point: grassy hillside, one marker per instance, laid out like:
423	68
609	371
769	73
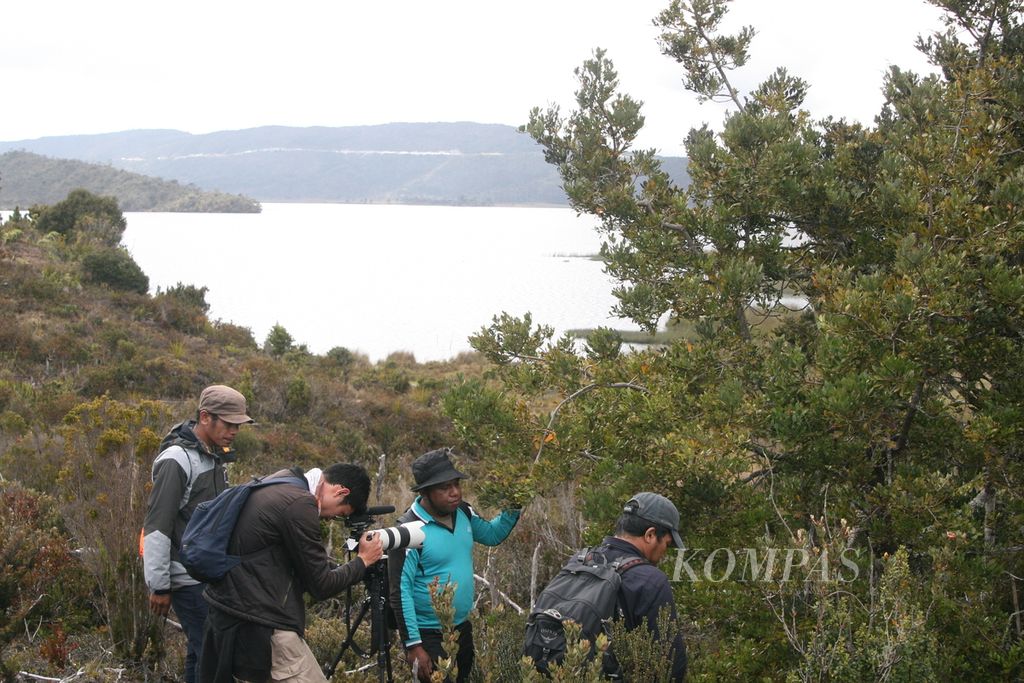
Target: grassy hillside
92	373
28	179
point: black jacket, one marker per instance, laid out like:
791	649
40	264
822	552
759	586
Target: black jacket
645	590
282	525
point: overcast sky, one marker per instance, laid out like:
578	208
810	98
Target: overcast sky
71	67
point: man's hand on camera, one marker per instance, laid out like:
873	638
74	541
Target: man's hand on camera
371	548
420	661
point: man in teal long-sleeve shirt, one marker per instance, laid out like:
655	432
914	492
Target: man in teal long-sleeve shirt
450	528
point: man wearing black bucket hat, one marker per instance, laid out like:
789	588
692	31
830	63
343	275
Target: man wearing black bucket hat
646	528
451	526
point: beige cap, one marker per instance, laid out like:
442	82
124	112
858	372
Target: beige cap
226	403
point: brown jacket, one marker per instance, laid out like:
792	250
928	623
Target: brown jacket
279	530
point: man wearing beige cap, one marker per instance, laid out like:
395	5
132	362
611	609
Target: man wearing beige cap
188	470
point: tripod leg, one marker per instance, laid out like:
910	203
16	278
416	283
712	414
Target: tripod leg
349	640
387	659
378	623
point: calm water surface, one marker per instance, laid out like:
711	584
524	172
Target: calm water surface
381	278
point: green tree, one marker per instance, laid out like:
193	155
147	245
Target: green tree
891	400
98	218
278	341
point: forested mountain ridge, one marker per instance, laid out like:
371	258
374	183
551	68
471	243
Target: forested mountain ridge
425	163
28	179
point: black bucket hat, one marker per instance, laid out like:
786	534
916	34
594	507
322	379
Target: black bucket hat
433	468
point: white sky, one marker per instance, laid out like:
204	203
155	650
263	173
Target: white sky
72	67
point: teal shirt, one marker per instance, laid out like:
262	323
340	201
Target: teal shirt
448	555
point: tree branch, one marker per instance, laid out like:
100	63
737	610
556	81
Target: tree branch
908	419
576	394
510	601
732	93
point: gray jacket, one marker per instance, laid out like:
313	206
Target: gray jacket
185	473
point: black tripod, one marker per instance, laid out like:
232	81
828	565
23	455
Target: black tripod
376	583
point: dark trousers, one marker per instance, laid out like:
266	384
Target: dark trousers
191	609
235	649
464	659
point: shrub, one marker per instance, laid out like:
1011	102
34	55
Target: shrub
183	308
894	644
189	295
247	446
115	268
116	379
387	376
103	438
229	335
169	376
99	217
341	358
52	285
10	235
498	637
642	656
401	359
298	397
41	578
19	341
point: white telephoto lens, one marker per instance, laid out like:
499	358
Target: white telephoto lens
408	535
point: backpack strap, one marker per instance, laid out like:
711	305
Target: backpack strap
621	568
407	516
626	566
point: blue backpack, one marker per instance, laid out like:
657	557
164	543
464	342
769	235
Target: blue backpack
204	545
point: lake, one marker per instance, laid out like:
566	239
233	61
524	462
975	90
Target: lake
381	278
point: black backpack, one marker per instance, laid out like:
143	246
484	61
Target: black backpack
586	591
204	545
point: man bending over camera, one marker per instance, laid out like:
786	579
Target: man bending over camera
257	618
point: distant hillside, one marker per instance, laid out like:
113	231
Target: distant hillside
433	163
27	179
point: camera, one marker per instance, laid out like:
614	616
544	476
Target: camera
408	535
358	523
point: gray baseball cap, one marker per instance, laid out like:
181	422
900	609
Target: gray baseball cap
657	509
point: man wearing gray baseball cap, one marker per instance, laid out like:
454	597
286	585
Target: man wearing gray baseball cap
188	470
647	526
